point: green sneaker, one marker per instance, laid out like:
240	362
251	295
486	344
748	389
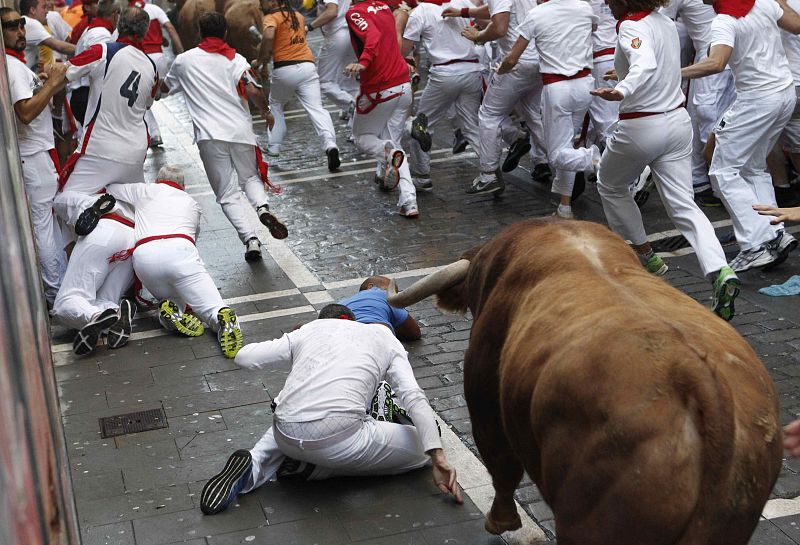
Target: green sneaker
171	317
230	335
726	288
655	265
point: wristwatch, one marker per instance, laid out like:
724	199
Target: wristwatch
309	28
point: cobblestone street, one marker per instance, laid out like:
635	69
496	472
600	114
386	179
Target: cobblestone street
143	488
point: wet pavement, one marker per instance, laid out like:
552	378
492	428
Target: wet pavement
143	488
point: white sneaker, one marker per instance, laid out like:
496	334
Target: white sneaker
423	183
394	161
564	211
760	256
409	210
252	251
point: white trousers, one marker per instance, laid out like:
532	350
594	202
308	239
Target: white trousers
664	142
220	160
172	269
336	53
746	134
377	448
92	174
162	67
383	128
462	92
603	113
41	183
301	81
709	98
92	284
519	90
564	105
791	133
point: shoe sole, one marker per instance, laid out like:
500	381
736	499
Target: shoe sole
411	216
252	256
660	272
514	156
233	337
333	159
495	189
120	333
86	340
88	219
220	491
170	315
277	229
392	178
724	307
419	132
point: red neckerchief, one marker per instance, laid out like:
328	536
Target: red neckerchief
169	183
633	16
217	45
16	54
129	41
734	8
99	22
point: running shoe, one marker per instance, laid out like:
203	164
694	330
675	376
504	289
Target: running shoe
726	288
333	159
229	335
294	470
564	211
252	252
419	132
409	210
156	142
392	177
422	183
88	219
381	183
277	229
782	245
221	490
483	186
120	332
459	142
707	198
754	258
643	187
88	336
174	320
655	265
541	173
516	152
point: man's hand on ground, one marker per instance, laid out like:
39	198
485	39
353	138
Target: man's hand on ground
444	475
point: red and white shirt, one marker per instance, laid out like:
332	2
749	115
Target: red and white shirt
122	86
374	38
648	63
154	39
442	38
562	32
209	82
23	84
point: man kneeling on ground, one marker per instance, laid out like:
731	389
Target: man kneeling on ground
321	427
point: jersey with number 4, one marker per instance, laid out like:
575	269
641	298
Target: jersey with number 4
122	86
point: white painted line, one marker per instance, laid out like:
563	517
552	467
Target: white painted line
401	274
780	508
476	482
318	297
261	296
689	250
289	263
674	232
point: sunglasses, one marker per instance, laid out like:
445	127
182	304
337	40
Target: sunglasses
13	25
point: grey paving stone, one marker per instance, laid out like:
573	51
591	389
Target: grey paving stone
134	505
86	426
199	403
95	485
257	416
120	533
238	379
790	526
203	445
312	531
146	475
768	533
178	426
406	538
128	359
470	532
176	372
134	395
103	455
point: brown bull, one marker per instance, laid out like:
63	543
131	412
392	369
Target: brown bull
240	16
643	418
189	15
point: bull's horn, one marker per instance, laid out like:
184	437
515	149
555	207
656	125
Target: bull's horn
433	283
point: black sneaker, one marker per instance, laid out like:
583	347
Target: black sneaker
516	152
88	219
295	470
781	246
276	228
707	198
333	159
479	187
86	339
419	132
120	332
643	187
579	187
252	250
459	142
541	173
221	490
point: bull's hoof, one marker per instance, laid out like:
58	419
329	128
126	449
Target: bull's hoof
498	527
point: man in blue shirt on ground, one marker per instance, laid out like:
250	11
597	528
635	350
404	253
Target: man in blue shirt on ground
371	307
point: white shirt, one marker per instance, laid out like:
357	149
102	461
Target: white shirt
442	37
791	45
23	84
160	209
696	17
562	32
90	37
517	9
758	61
336	367
208	82
122	82
35	34
338	23
58	26
605	37
648	63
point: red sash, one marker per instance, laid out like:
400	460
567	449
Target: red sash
263	167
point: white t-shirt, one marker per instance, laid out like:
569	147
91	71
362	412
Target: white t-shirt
791	45
442	37
208	82
90	37
758	61
336	368
35	34
562	32
160	209
605	37
517	9
58	26
696	17
648	63
338	23
23	84
122	84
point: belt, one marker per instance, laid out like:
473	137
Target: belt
603	52
454	61
125	254
314	444
120	219
637	115
547	79
281	64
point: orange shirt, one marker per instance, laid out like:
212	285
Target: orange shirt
289	45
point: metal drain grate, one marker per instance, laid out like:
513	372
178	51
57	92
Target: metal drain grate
123	424
670	244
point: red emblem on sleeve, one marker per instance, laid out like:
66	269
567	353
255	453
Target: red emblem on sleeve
636	43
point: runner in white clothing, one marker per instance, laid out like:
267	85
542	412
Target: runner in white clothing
35	14
654	130
321	425
603	113
31	102
746	36
216	82
562	33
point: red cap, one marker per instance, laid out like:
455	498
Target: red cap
136	4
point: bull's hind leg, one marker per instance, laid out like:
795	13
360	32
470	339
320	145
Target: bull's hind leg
481	389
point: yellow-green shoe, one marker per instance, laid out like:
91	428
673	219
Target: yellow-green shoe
229	334
171	317
726	287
